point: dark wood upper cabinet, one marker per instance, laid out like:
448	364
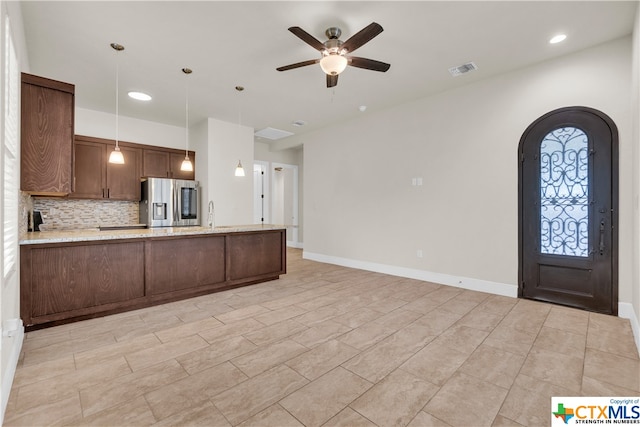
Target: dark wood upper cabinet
47	127
165	163
96	178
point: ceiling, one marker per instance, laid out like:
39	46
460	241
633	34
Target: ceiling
241	43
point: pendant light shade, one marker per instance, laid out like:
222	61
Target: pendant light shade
187	166
116	156
239	169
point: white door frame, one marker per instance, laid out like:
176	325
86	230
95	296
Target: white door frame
296	212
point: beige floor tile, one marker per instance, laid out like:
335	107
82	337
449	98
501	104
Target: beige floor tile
480	319
435	363
193	391
215	354
386	305
512	340
150	356
204	414
135	412
476	402
319	315
454	305
273	416
366	335
501	421
320	333
493	365
398	319
568	319
42	371
322	359
242	313
437	321
593	387
275	332
498	304
280	315
612	369
127	387
266	357
357	317
424	419
57	413
612	335
349	418
66	386
462	338
320	400
258	393
187	329
555	368
395	400
229	330
113	351
529	401
561	341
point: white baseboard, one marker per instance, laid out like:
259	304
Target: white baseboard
496	288
12	364
626	311
292	244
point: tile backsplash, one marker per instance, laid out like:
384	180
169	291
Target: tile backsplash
71	214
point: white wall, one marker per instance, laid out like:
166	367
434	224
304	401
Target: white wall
103	125
232	195
635	93
359	201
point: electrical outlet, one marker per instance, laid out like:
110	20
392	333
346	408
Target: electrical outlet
419	253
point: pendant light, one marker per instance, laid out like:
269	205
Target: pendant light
116	155
187	166
239	168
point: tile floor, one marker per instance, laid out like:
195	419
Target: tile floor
324	346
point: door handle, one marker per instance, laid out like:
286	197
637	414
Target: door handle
602	237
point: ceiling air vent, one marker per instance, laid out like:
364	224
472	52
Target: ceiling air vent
271	133
462	69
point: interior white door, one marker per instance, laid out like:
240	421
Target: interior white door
284	199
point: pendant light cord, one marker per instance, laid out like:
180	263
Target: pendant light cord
117	97
187	116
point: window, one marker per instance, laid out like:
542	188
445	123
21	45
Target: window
10	155
564	193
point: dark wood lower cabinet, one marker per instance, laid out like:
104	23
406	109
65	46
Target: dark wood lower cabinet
65	282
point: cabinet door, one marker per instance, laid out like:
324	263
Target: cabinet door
155	164
256	254
46	136
74	278
123	181
176	162
89	170
177	264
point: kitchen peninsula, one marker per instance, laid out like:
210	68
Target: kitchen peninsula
74	275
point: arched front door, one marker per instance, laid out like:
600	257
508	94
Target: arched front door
568	204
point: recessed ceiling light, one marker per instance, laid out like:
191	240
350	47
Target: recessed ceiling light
298	123
557	39
140	96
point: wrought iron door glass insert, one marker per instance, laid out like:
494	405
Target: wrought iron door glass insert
564	193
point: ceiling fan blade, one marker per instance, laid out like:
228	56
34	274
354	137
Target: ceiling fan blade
362	36
307	38
368	64
332	80
298	65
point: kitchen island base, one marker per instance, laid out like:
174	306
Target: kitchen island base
70	281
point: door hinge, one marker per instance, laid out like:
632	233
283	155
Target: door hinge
521	157
522	285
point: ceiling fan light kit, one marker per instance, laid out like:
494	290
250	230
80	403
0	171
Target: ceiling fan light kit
334	52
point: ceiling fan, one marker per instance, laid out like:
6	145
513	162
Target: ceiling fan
335	52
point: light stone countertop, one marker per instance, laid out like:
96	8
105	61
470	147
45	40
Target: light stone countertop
92	234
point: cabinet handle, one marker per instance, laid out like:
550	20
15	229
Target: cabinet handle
103	193
108	193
